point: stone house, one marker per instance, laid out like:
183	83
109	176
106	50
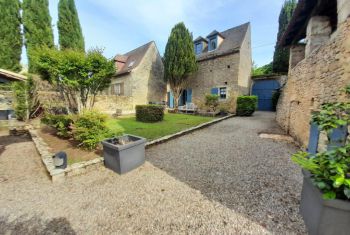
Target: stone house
224	66
319	40
138	80
6	98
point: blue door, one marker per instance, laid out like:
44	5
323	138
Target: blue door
264	90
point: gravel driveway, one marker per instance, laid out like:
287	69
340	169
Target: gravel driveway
230	164
221	180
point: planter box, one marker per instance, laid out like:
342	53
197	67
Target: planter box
123	158
323	217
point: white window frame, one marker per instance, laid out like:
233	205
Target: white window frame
219	92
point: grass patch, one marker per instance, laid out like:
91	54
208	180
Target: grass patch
171	124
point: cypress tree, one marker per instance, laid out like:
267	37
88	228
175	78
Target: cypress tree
37	27
281	55
11	38
179	60
69	29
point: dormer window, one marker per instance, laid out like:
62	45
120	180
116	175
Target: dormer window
212	44
200	44
215	39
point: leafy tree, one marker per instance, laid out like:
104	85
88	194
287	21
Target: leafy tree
263	70
69	29
179	60
37	27
11	38
77	75
281	55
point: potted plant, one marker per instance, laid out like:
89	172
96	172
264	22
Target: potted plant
123	154
325	197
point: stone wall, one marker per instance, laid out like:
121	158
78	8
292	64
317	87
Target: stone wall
245	61
110	104
219	72
315	80
6	100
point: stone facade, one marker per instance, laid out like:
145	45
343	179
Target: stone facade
142	85
230	69
316	80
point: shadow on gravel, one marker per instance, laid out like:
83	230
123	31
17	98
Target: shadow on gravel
35	225
230	164
7	139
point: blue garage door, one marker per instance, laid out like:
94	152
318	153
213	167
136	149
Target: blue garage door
264	90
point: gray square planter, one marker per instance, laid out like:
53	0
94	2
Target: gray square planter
323	217
123	158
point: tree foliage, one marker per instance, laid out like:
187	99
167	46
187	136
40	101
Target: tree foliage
26	99
179	60
263	70
281	55
11	38
69	29
77	75
37	27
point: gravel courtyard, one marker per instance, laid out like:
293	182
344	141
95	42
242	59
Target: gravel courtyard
223	179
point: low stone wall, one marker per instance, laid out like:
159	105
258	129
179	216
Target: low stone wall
6	100
111	103
316	80
59	175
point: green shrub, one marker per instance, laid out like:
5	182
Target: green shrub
212	101
330	171
19	90
149	113
275	98
246	105
89	129
62	123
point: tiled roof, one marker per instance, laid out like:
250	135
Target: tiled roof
214	33
200	39
12	75
232	42
132	59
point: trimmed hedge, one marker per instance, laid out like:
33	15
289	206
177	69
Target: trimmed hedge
246	105
149	113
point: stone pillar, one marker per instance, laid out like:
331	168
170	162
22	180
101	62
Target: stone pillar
343	10
297	54
318	32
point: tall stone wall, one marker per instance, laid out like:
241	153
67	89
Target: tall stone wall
245	61
315	80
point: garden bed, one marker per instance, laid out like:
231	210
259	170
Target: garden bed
74	153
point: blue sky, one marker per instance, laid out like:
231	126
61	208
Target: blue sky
119	26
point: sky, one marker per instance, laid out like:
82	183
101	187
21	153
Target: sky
119	26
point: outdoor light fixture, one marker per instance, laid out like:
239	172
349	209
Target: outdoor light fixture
60	160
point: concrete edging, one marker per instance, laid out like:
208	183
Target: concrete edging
185	132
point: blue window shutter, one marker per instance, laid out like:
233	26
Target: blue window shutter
189	96
214	91
314	138
171	100
338	137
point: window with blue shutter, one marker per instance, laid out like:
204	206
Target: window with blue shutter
189	96
215	91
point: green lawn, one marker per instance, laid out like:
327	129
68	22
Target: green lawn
171	124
